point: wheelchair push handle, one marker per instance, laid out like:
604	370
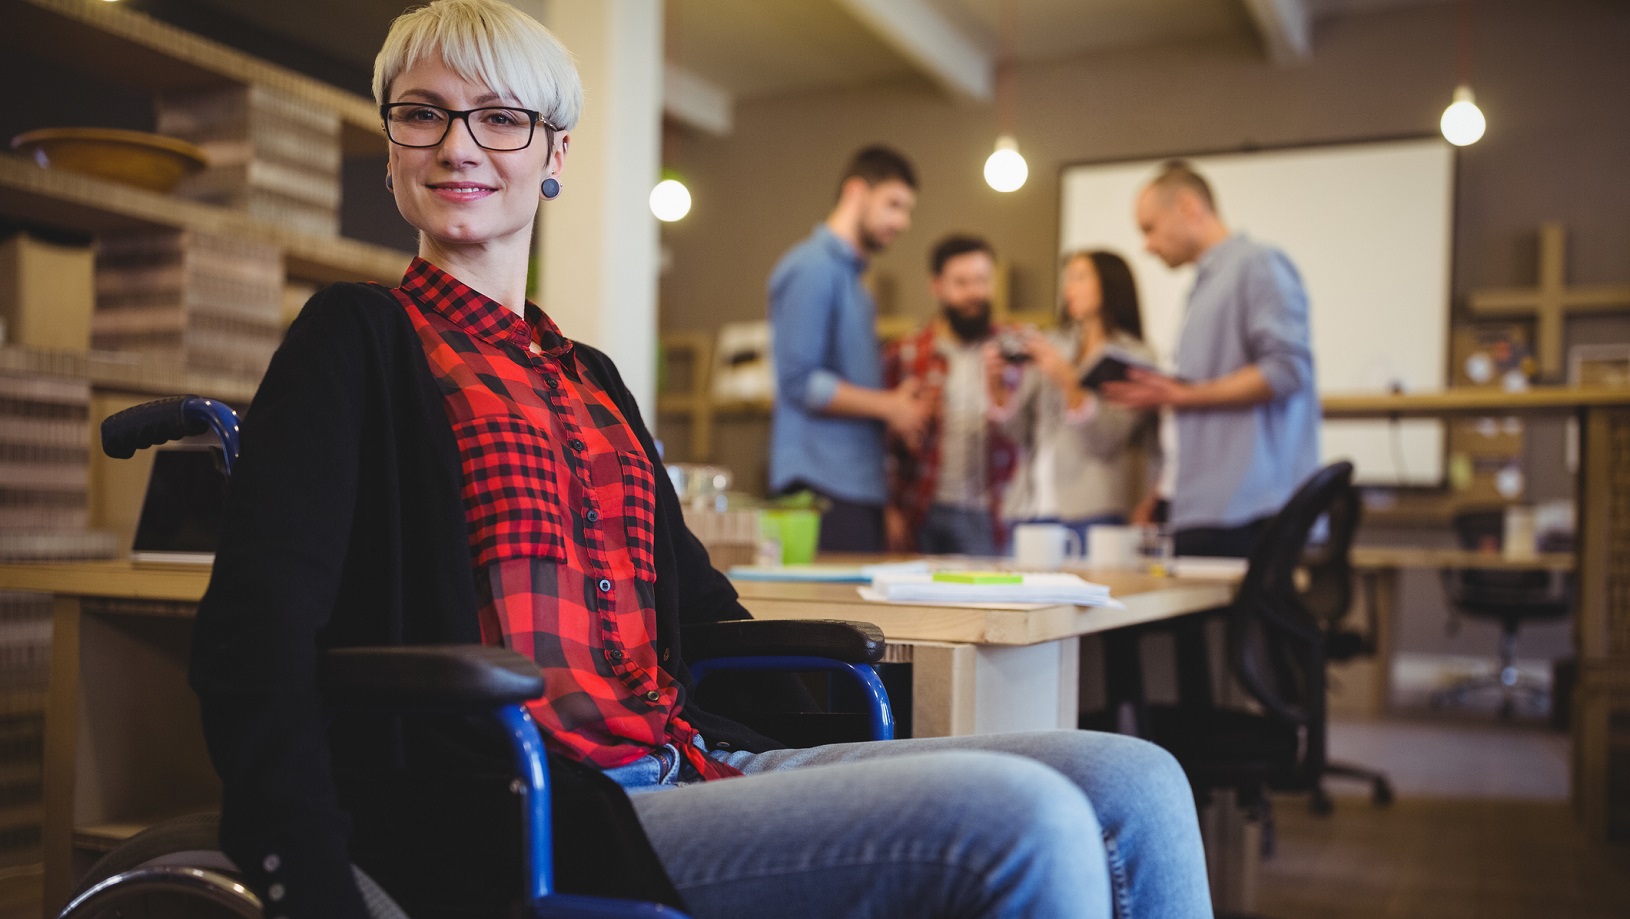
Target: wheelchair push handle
162	420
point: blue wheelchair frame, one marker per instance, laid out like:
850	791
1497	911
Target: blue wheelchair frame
156	422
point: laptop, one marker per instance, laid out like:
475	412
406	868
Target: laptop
181	513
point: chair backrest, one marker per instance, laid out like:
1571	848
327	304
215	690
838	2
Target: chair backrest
1276	646
1328	564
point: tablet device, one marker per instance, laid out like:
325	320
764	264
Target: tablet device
1112	366
181	513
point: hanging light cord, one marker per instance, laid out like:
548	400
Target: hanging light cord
1006	117
1463	45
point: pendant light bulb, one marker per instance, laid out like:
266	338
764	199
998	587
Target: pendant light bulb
1006	170
670	200
1463	121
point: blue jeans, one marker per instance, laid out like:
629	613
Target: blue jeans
1047	824
951	530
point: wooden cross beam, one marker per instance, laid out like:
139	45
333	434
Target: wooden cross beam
1550	302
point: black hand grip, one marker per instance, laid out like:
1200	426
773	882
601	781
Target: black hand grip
147	425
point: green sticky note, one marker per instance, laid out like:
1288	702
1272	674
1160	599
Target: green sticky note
979	577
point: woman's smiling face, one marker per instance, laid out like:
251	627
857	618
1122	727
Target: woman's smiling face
458	193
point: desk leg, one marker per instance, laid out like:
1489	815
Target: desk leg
1233	855
1385	598
960	689
61	730
942	689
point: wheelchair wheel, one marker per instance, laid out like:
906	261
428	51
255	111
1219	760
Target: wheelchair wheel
175	870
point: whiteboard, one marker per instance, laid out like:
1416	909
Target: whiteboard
1368	226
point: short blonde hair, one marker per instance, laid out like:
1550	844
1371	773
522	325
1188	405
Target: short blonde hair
491	43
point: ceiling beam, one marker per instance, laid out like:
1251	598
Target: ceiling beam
1286	28
931	43
691	100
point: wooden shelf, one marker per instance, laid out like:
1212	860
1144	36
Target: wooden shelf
111	371
90	205
1470	401
133	49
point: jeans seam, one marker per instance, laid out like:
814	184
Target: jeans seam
1119	884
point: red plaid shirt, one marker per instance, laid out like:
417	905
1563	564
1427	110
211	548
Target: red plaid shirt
562	509
914	474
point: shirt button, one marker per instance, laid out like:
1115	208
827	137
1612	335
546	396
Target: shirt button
605	586
593	515
553	382
271	863
616	655
276	892
653	696
577	445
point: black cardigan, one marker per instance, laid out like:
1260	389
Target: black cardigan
345	526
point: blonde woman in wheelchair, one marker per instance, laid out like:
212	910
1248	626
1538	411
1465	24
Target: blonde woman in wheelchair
435	463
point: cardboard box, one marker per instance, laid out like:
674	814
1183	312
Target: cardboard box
47	293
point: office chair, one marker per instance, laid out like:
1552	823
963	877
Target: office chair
1276	654
1509	597
469	766
1328	595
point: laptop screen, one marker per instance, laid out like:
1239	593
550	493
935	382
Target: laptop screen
181	514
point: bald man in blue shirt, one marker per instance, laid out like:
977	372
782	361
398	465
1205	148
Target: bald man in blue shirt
1245	408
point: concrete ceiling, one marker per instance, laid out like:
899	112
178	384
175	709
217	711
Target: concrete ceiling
720	51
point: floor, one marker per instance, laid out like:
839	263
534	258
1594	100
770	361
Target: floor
1481	828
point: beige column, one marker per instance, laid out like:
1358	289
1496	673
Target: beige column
598	247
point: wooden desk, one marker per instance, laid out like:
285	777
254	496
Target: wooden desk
1378	568
123	747
1602	624
981	668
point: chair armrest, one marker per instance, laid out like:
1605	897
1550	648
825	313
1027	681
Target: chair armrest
458	677
850	642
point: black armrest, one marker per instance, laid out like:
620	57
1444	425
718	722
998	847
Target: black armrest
428	677
851	642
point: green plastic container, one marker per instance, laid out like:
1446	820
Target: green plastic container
797	529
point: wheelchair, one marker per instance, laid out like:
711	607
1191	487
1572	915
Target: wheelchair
175	869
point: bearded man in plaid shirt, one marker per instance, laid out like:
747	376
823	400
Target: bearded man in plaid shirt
945	491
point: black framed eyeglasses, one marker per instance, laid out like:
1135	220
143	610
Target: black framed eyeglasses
420	124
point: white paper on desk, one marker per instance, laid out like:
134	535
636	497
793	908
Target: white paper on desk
857	574
1205	566
1035	588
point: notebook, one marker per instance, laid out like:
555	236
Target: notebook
181	513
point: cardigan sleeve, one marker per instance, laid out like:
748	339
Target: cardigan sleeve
277	574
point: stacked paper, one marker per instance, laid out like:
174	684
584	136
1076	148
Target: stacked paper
1035	588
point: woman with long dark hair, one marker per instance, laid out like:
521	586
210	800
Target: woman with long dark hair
1076	464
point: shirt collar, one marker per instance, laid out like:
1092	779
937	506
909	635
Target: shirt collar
1209	257
838	248
479	315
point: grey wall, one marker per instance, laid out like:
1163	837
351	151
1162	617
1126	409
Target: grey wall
1551	77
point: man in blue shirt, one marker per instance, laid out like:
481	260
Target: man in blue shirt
1245	408
831	410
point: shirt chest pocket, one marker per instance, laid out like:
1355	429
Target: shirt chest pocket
513	493
639	512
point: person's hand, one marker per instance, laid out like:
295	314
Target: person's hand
1050	361
1143	390
908	411
897	531
1143	512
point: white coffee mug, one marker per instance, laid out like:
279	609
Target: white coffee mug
1114	546
1044	545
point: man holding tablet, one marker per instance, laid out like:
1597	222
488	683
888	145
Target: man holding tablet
1243	402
